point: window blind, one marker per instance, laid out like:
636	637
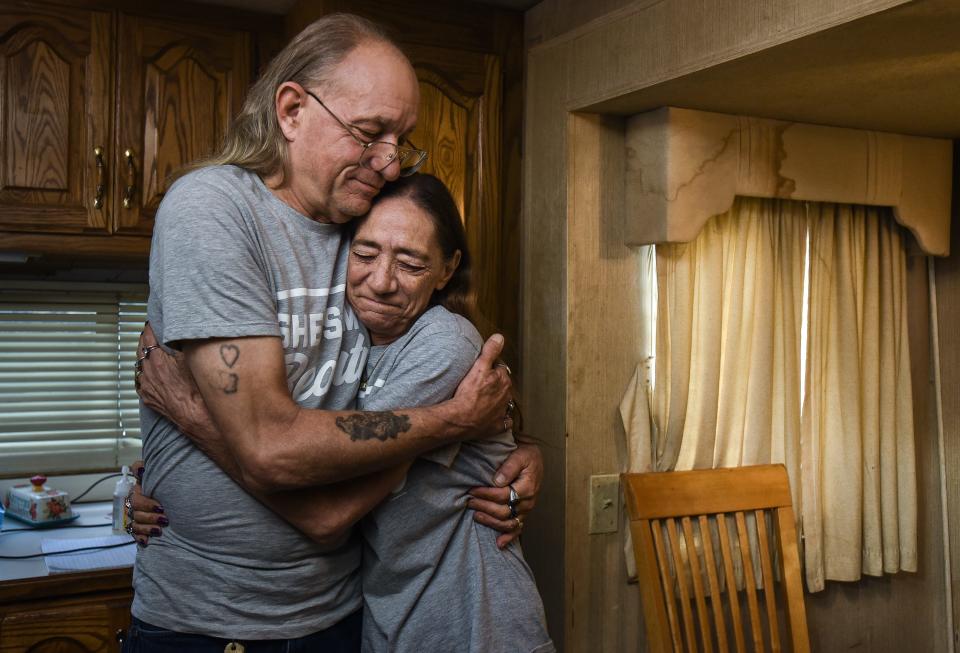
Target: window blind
67	397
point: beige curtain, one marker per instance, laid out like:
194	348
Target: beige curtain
727	348
728	368
728	340
859	473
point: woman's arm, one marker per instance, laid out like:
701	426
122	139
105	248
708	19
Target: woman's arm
525	467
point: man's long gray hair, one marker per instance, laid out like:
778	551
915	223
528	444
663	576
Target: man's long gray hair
254	140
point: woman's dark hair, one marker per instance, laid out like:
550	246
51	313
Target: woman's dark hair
432	195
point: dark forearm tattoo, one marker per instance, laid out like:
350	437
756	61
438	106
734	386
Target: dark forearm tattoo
382	425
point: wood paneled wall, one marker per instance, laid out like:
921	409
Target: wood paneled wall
580	308
603	309
948	317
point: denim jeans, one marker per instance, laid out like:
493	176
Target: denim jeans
342	637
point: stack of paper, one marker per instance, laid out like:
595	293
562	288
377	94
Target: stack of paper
117	556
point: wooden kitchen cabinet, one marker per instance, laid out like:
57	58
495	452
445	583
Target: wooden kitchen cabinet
178	86
98	107
70	613
55	107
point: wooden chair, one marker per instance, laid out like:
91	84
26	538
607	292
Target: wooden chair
678	521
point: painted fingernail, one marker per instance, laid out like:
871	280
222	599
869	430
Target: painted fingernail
163	521
141	543
156	532
140	474
158	508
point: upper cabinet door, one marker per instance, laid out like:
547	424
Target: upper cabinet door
55	107
459	126
178	86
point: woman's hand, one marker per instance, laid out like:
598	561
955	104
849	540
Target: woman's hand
523	470
165	384
145	515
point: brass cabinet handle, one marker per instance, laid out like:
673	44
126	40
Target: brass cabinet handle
131	188
101	178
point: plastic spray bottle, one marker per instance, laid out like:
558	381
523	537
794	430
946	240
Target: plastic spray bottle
120	492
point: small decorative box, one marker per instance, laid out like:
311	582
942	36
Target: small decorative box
37	504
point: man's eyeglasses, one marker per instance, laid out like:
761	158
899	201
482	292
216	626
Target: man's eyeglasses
377	155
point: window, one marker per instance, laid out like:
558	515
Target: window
67	400
782	337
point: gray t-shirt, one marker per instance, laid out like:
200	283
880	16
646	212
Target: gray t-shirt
433	579
230	259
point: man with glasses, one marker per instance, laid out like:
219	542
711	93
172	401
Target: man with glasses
247	275
377	155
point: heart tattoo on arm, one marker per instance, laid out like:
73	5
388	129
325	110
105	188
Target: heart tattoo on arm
229	380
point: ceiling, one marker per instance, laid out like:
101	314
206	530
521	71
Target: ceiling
283	6
896	71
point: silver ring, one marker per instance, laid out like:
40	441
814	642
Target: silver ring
506	423
146	350
129	528
138	364
506	367
513	501
511	405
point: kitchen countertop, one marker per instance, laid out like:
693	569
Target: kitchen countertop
97	515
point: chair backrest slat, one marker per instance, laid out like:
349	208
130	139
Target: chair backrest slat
688	625
666	579
749	581
718	510
734	603
766	568
699	595
790	572
716	602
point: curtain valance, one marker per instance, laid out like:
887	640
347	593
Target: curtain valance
684	166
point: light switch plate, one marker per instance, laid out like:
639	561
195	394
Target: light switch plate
604	503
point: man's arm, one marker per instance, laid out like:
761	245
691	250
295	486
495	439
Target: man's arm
278	445
167	386
326	513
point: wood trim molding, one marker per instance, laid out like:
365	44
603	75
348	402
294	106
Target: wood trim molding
62	586
685	166
131	251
